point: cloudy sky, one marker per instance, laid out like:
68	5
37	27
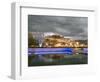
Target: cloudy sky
75	27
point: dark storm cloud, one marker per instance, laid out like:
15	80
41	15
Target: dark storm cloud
75	27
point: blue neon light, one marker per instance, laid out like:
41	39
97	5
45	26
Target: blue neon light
42	51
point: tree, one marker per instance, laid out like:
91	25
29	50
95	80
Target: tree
32	42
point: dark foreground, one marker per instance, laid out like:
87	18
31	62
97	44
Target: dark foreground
74	59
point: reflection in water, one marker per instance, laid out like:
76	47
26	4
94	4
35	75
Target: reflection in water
77	57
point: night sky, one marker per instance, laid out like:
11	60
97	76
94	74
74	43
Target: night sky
74	27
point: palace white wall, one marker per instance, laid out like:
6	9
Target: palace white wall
5	39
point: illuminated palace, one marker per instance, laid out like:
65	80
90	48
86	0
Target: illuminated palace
60	41
40	39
